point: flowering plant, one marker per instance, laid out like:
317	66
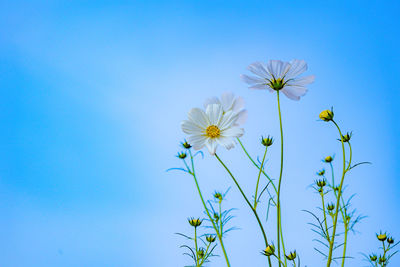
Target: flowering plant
220	124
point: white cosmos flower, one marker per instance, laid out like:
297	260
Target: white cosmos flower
228	103
282	76
212	128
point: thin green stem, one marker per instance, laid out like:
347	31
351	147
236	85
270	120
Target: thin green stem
205	255
220	214
255	164
333	176
384	252
331	245
278	202
248	203
192	172
258	178
326	223
279	260
283	245
351	156
346	230
195	245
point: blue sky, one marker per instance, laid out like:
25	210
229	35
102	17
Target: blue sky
92	95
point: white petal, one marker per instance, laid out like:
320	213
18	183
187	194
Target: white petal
259	69
227	101
297	67
252	80
290	95
294	92
211	144
228	119
242	117
233	131
198	117
214	113
211	100
227	142
238	104
261	87
302	81
191	128
197	141
277	68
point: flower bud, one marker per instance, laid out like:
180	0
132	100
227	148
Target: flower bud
321	183
346	137
373	257
328	159
382	260
291	256
186	145
201	253
321	172
182	155
195	222
267	141
381	237
336	188
218	195
216	217
269	251
210	238
330	207
390	240
326	115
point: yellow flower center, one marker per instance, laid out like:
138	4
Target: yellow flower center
213	131
277	84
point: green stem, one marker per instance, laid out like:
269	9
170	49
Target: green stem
255	164
283	244
279	260
248	203
346	226
338	200
220	214
384	253
333	176
195	245
208	213
346	230
205	255
259	175
278	208
326	223
351	156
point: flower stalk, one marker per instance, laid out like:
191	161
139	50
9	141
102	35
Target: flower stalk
248	203
335	217
278	202
219	234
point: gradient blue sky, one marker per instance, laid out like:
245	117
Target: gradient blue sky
93	92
